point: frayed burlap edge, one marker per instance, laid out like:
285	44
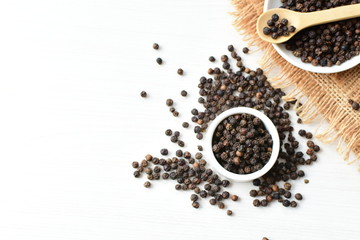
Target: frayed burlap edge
329	93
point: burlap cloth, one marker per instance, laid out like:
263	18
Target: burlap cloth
326	95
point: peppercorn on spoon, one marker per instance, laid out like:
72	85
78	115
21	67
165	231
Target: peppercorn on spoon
304	20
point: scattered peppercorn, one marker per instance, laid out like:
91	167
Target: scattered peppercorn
211	59
354	105
194	197
229	212
159	61
287	186
286	203
180	71
164	152
302	132
155	46
147	184
256	203
195	205
185	124
298	196
245	50
143	94
136	174
306	181
200	148
309	135
169	102
168	132
253	193
183	93
148	157
234	197
135	164
231	48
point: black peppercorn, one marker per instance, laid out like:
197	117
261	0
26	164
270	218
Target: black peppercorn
180	71
159	61
183	93
164	152
302	132
221	205
293	204
136	174
155	46
298	196
135	164
253	193
225	183
194	197
195	204
203	194
355	106
275	17
143	94
179	153
287	194
256	203
147	184
309	135
212	201
286	203
234	197
165	176
287	186
225	195
169	102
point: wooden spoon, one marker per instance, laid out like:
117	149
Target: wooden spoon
303	20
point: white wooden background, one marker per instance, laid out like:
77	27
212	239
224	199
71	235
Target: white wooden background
72	122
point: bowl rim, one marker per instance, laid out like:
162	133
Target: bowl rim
307	66
269	126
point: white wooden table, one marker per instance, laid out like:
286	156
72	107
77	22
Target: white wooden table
72	121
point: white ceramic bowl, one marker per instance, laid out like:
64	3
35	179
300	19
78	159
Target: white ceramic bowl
269	126
280	48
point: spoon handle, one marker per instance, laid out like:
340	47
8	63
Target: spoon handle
331	15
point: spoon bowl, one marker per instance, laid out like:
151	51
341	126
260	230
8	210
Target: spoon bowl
304	20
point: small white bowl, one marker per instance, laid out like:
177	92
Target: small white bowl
269	126
288	55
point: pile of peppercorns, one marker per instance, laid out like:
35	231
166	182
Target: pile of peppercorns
189	173
278	28
244	137
225	89
230	88
328	44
